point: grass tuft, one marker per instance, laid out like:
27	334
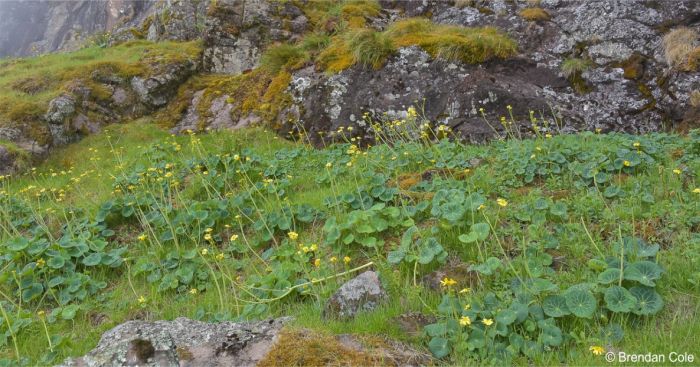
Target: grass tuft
535	14
679	45
369	47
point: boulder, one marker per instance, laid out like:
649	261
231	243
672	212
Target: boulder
362	293
183	342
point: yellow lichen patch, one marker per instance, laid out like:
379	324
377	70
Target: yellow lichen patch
535	14
306	348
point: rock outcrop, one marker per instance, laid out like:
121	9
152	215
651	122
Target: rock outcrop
237	32
626	84
183	342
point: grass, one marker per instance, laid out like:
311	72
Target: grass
453	43
681	48
574	66
535	14
86	173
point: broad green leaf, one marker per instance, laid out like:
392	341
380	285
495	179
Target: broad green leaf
609	276
92	259
395	257
648	301
644	272
506	317
581	302
440	347
555	306
33	291
481	230
619	299
18	244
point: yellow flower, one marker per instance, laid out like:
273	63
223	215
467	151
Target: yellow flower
208	237
636	144
346	259
41	313
597	350
329	165
502	202
334	259
465	290
220	256
598	130
487	322
208	230
236	157
142	300
547	136
349	164
313	247
317	263
204	252
447	282
305	249
142	237
481	207
193	291
234	237
627	163
465	321
467	307
40	263
677	171
696	190
293	235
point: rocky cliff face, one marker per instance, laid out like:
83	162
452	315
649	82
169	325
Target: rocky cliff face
30	27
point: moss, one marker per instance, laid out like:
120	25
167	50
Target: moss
336	57
33	84
535	14
633	67
20	110
306	348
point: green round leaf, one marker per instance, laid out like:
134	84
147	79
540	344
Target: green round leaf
648	301
93	259
581	302
619	299
506	317
609	276
33	291
555	306
18	244
56	262
644	272
481	230
440	347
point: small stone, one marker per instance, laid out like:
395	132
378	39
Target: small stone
362	293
